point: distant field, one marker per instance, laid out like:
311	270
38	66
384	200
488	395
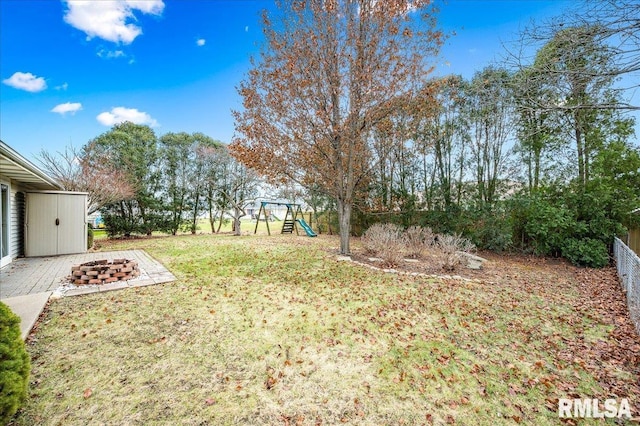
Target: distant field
204	227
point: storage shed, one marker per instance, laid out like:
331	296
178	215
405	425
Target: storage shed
20	181
56	223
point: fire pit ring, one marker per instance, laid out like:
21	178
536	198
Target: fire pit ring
104	271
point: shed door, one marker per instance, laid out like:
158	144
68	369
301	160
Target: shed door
5	231
42	233
72	231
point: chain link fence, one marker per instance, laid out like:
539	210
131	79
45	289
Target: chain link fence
628	266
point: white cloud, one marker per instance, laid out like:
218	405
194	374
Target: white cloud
68	107
201	42
63	86
26	81
108	20
111	54
121	114
246	29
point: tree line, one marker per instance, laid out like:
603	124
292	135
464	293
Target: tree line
534	153
142	183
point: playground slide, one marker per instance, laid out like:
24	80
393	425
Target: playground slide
306	228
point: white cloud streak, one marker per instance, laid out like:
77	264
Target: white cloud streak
201	42
26	81
111	54
67	108
119	115
109	19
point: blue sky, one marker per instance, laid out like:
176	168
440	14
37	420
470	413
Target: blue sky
70	71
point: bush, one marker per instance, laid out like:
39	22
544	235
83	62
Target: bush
490	230
418	239
119	226
586	252
89	236
14	365
451	246
385	240
578	224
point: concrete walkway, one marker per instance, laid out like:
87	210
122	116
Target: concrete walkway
26	284
28	307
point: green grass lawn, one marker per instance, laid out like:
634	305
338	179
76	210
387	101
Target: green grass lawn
273	330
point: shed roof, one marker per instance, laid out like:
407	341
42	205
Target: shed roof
16	167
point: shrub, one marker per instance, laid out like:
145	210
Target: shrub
490	230
451	246
119	226
586	252
89	236
418	239
385	240
14	365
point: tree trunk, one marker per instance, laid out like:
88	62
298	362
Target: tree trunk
536	171
194	222
236	221
220	222
580	149
344	219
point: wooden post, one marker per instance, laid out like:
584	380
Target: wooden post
266	219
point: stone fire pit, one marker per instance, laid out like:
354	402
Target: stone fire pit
104	271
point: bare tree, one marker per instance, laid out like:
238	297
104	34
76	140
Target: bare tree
443	138
237	188
76	171
489	109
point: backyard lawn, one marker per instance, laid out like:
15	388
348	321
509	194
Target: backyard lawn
274	330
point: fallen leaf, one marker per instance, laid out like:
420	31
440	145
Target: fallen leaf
87	393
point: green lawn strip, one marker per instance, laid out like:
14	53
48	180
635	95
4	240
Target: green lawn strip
262	330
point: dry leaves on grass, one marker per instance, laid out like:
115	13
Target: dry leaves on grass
604	301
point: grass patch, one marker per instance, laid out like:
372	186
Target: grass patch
273	330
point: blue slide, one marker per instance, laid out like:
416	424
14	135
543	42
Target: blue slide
306	228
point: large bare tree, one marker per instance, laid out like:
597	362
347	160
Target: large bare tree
331	72
79	170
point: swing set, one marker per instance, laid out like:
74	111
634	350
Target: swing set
291	219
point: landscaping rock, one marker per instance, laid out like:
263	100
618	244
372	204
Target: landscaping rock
471	260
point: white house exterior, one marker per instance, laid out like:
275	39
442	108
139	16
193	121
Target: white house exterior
19	178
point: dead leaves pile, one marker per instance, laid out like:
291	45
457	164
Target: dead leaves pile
604	301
